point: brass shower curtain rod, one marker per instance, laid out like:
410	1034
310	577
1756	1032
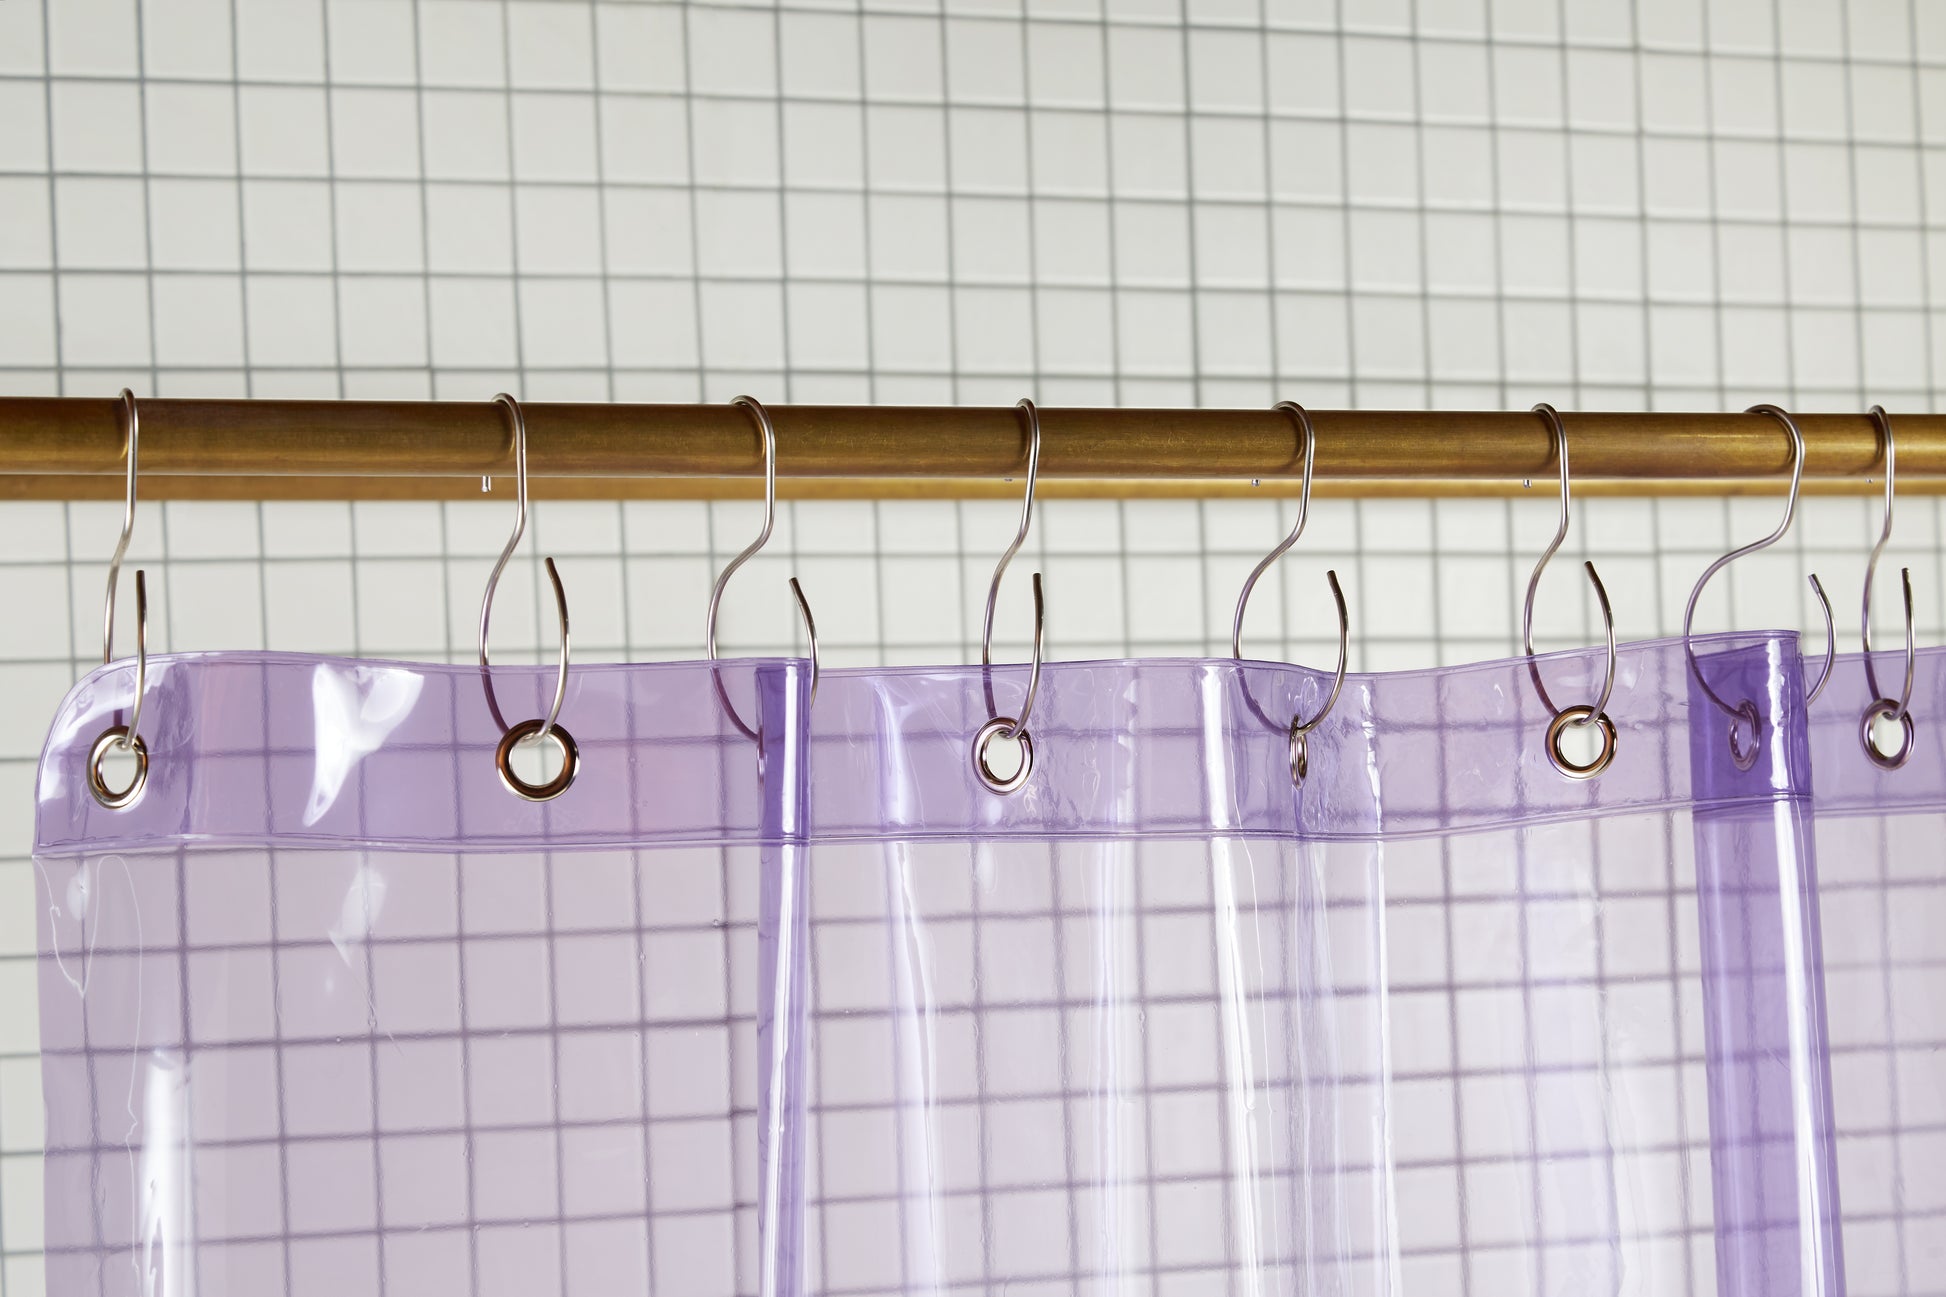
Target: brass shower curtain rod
72	448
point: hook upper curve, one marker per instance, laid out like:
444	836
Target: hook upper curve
517	422
1338	672
1897	713
1032	419
767	432
1589	714
1307	452
1830	640
132	435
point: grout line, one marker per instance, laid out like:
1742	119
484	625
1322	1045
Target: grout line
368	571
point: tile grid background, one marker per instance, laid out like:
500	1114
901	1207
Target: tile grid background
1431	203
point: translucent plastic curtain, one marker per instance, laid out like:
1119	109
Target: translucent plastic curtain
329	1010
782	998
1439	1020
1881	840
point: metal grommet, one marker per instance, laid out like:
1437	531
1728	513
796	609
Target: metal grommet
117	737
1746	712
570	761
1885	707
984	739
1581	714
1300	752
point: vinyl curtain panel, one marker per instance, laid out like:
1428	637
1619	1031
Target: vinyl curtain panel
1881	843
779	997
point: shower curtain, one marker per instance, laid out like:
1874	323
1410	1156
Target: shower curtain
781	996
330	1010
1882	904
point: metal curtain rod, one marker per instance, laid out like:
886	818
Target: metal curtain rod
70	448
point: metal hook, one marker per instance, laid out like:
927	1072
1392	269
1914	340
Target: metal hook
132	425
1299	728
811	634
1897	709
131	735
768	432
1591	714
125	738
1746	711
547	726
1016	727
134	735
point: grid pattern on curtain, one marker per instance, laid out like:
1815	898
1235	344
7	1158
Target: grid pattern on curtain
1436	203
465	1095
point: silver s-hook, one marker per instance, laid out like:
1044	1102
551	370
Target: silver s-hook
1745	712
1581	714
125	738
1883	707
1013	728
1300	729
768	433
132	437
538	729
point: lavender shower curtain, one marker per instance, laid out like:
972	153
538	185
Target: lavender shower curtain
779	997
329	1010
1881	841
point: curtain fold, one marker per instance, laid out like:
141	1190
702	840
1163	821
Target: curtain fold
782	998
1881	842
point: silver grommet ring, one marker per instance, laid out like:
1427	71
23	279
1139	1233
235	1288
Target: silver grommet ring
570	761
1300	752
116	738
984	739
1745	714
1869	737
1581	714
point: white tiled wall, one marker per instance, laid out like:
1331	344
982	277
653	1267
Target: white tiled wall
1397	203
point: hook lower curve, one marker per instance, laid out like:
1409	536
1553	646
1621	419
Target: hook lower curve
811	634
134	734
517	422
561	669
1337	672
1300	729
1012	728
1587	714
1034	669
1830	640
1898	710
126	738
